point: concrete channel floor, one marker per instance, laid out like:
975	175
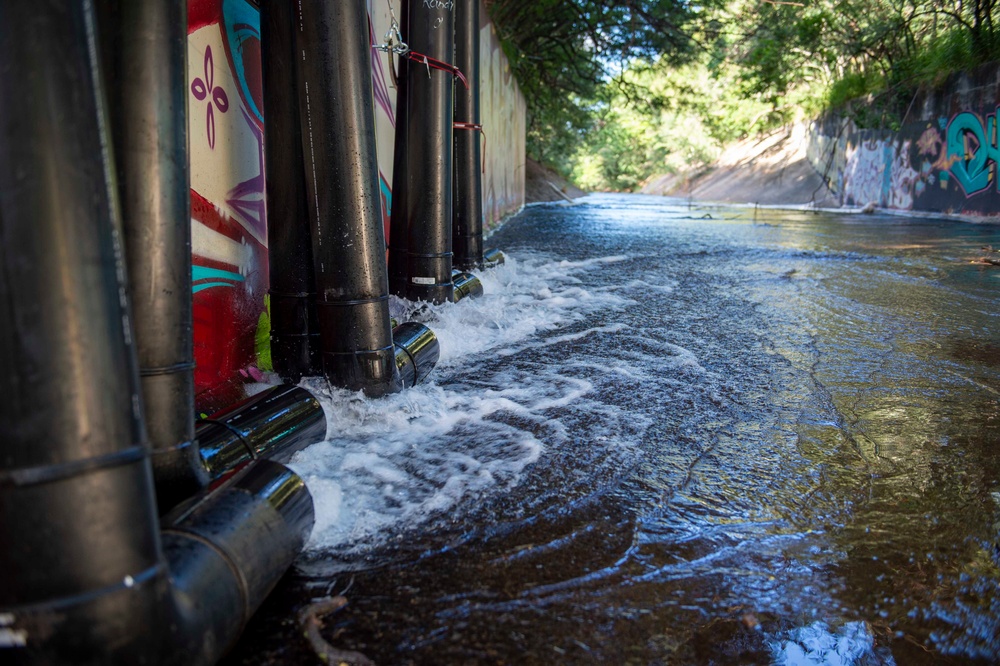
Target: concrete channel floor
676	434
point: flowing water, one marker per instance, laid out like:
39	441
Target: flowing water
675	435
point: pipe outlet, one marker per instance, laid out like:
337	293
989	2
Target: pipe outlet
226	549
417	352
273	424
466	285
492	257
85	575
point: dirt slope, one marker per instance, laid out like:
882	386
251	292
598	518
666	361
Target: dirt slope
771	169
541	184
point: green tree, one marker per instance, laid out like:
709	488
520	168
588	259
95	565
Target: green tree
563	51
619	90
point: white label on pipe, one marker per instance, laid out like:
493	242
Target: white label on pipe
13	638
423	280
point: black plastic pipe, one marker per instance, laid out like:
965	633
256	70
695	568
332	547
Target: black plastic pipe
226	551
428	170
399	229
273	424
467	216
85	577
467	285
145	60
338	143
295	339
77	514
417	352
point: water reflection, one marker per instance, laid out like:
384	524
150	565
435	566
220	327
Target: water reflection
743	436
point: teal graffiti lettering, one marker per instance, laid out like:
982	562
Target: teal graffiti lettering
203	277
971	164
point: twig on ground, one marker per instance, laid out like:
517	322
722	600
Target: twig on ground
559	192
311	622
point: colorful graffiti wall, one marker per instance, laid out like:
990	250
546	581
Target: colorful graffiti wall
943	159
228	213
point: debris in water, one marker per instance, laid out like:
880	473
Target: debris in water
992	261
310	619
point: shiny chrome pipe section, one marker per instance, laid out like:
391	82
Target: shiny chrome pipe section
273	424
492	257
417	352
466	285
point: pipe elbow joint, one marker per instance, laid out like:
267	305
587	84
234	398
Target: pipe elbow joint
492	257
226	550
273	424
216	558
417	352
467	285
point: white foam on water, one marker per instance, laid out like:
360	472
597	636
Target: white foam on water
853	643
643	285
391	464
522	298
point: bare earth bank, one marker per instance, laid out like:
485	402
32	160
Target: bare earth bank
543	184
769	170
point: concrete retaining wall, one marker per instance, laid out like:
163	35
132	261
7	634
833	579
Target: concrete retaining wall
943	158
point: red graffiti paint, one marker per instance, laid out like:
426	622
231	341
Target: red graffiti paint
202	13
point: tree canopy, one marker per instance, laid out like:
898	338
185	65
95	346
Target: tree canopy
620	89
564	51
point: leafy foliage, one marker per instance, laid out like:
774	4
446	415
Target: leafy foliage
845	49
658	117
563	51
620	90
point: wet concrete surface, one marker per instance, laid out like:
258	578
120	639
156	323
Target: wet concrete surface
771	438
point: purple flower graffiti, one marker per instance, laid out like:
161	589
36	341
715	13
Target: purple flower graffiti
201	89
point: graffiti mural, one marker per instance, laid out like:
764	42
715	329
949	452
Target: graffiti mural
864	173
901	177
972	151
228	225
228	212
384	87
944	161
